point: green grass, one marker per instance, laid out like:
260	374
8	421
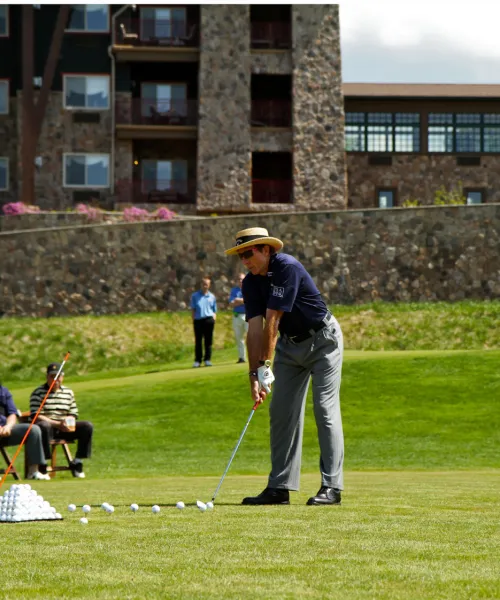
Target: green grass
420	510
158	339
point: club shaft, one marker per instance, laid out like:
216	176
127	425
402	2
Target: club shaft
234	452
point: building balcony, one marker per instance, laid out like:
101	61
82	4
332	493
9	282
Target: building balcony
271	35
272	191
158	191
271	113
156	40
147	118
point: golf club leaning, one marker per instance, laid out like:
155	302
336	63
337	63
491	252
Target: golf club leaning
235	449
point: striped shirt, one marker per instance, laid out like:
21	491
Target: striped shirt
59	404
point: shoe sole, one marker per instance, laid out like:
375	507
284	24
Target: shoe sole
285	502
313	503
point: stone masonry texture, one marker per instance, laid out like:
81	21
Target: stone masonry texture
318	113
8	149
224	144
355	256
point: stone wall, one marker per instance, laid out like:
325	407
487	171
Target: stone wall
271	62
224	147
60	135
318	111
8	149
421	254
418	177
267	140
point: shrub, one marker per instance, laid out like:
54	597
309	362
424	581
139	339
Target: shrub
19	208
410	203
135	214
92	213
163	214
454	196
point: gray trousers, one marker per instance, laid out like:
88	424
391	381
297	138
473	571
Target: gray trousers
319	357
32	445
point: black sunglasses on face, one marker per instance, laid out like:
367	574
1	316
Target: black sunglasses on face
247	254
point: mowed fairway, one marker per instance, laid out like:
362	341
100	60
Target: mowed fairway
420	513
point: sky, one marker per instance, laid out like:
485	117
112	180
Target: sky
420	42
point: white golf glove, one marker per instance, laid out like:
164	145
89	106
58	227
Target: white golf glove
265	376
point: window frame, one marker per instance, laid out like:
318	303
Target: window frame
171	7
86	76
86	31
392	136
451	129
381	189
158	160
164	83
7	177
7	28
85	186
480	190
7	103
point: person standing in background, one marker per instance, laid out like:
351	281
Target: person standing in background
240	326
204	312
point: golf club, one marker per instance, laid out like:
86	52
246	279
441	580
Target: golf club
235	449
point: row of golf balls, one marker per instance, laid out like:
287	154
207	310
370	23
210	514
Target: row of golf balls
155	509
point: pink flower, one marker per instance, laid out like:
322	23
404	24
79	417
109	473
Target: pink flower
19	208
136	214
163	214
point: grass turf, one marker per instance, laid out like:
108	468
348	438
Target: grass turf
419	516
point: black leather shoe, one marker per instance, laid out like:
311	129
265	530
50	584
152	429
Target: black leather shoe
269	496
326	495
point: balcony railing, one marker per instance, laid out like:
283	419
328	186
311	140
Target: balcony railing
272	191
271	113
158	191
156	32
271	34
157	112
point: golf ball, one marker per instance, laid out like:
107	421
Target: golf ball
71	507
84	521
86	508
134	507
201	505
155	509
110	509
104	505
180	505
210	505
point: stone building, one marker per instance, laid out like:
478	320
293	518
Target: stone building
406	142
203	108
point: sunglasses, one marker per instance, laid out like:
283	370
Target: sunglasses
246	255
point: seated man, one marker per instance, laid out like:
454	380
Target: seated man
52	420
12	433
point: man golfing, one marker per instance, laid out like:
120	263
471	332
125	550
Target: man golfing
281	298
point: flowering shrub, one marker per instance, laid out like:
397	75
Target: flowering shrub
92	213
163	214
135	214
19	208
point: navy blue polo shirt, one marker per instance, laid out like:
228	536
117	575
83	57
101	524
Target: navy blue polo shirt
287	287
7	406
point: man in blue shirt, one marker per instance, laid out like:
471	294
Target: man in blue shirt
281	298
12	434
240	326
204	309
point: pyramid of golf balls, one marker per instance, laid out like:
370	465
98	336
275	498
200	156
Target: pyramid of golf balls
21	503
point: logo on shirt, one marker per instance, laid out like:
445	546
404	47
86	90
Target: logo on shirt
279	292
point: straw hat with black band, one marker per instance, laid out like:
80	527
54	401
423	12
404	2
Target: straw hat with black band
247	238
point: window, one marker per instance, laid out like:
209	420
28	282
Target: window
89	17
4	21
164	98
4	174
89	92
4	97
386	198
86	170
164	175
464	132
474	196
382	132
163	23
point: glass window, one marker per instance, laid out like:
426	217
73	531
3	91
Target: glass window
4	173
89	17
440	139
491	139
163	23
355	138
382	132
468	139
86	170
164	98
4	20
4	97
86	91
464	132
474	197
164	175
386	198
